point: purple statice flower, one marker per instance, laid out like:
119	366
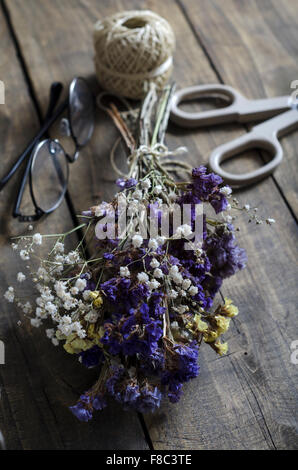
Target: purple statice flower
219	202
108	256
126	183
204	183
152	364
205	187
131	395
110	289
174	391
99	402
92	357
83	408
181	366
149	400
117	373
225	256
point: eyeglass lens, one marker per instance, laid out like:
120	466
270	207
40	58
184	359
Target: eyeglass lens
49	174
81	111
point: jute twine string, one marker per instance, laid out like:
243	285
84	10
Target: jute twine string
132	49
159	152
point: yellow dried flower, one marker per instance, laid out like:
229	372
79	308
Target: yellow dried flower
221	348
200	324
97	303
75	345
222	323
210	336
229	309
95	334
94	294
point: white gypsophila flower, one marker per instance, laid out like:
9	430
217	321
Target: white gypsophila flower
65	329
137	240
154	263
50	332
154	284
51	308
137	194
27	308
59	258
74	290
146	183
228	208
30	227
37	239
177	278
143	277
134	207
77	327
9	294
24	255
226	191
193	290
59	247
86	295
81	284
66	320
43	274
158	273
181	309
173	270
14	246
174	325
72	257
183	231
21	277
70	304
229	219
124	271
246	207
173	294
55	341
92	316
153	244
161	240
270	221
36	322
186	283
157	189
39	301
40	312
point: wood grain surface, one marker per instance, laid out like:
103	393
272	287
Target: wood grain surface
245	400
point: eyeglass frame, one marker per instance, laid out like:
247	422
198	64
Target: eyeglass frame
35	144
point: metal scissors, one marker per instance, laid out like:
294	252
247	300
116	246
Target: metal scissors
240	109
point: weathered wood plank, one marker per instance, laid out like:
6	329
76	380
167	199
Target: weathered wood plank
39	382
222	409
262	36
48	57
26	420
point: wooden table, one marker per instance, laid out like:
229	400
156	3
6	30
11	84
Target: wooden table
245	400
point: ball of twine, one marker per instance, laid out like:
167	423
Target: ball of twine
133	48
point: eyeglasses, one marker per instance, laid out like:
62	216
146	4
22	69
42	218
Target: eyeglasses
48	163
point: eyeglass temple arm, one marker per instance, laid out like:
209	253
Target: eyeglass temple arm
55	92
47	124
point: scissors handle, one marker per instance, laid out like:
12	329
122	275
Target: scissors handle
263	136
240	108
